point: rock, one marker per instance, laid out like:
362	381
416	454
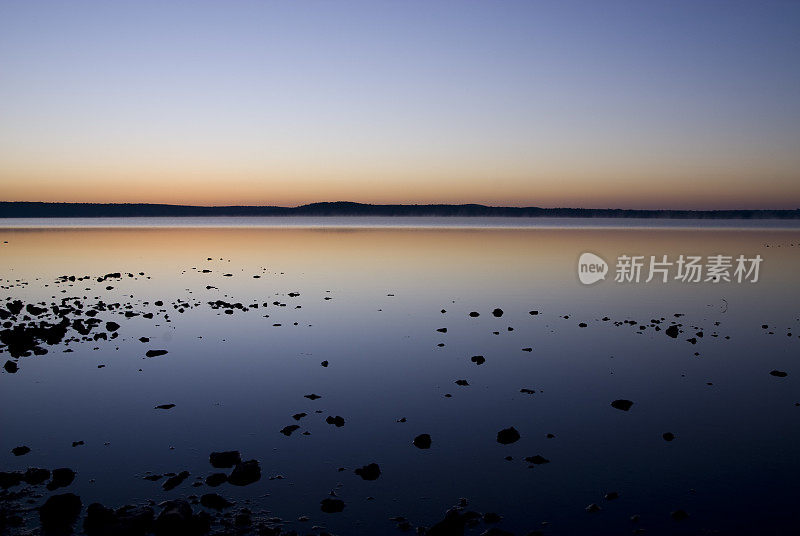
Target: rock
452	525
462	383
678	515
21	450
527	391
422	441
312	396
369	472
778	373
216	479
494	531
214	501
175	480
62	477
337	421
128	520
621	404
497	312
225	459
177	518
11	367
324	363
331	506
8	480
593	508
245	473
491	517
672	331
298	416
35	476
528	349
155	353
165	406
287	430
442	330
668	436
478	359
59	512
112	326
611	495
507	436
474	314
582	325
537	460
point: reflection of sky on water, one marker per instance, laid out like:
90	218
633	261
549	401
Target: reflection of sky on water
240	383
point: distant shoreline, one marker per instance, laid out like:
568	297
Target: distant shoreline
24	209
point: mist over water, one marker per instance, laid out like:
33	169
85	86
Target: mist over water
368	300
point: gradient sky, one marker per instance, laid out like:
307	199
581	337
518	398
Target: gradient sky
648	104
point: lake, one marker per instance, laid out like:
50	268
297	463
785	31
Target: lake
461	329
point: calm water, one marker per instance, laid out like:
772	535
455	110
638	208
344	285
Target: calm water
369	302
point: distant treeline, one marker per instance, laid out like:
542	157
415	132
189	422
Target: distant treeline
344	208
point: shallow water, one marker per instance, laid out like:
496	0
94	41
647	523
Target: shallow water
237	379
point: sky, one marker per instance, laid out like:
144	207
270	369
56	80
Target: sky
625	104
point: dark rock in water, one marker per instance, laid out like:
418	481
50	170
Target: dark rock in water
442	330
35	476
21	450
422	441
452	525
778	373
287	430
8	480
462	383
497	312
474	314
478	359
245	473
175	481
312	396
128	520
59	512
582	325
165	406
369	472
534	313
112	326
527	349
62	477
337	421
611	495
668	436
153	478
155	353
507	436
623	405
678	515
331	506
593	508
672	331
494	531
77	443
527	391
214	501
324	363
225	459
216	479
10	367
491	517
144	339
537	460
298	416
177	518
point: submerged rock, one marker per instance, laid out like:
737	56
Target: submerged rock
507	436
778	373
155	353
11	367
59	512
369	472
216	479
422	441
331	506
245	473
287	430
497	312
668	436
62	477
21	450
225	459
622	404
214	501
478	359
336	421
175	480
672	331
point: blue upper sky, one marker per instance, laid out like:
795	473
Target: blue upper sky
598	103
